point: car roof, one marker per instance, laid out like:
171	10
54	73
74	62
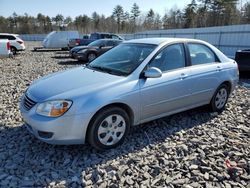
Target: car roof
108	40
9	34
103	33
158	41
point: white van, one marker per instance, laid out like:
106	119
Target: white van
59	39
5	48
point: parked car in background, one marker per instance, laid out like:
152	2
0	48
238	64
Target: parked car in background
94	49
135	82
76	42
94	36
58	39
242	57
5	48
16	44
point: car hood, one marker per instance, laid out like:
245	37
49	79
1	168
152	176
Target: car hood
77	48
74	82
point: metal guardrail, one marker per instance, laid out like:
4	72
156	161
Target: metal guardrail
33	37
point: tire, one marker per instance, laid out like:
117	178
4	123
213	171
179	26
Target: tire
108	128
220	98
13	50
91	57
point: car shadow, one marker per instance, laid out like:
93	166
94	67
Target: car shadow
50	163
48	50
63	52
61	57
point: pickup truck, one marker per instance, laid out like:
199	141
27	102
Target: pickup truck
94	36
5	48
242	57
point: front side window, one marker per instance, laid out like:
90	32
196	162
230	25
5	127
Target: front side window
201	54
11	37
115	37
123	59
170	58
97	43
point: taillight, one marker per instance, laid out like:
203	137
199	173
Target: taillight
8	45
20	42
78	41
238	72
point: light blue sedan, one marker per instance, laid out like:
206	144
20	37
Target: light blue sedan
138	81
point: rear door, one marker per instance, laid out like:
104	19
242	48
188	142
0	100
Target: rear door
205	73
170	92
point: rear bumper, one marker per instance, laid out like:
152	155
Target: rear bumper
10	54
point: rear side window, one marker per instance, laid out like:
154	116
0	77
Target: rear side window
110	43
201	54
7	37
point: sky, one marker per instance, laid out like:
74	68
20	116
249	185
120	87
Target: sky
75	8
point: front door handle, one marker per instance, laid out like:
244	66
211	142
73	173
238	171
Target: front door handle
183	75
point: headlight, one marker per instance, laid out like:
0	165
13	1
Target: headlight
82	51
53	108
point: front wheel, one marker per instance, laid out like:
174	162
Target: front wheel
220	98
108	128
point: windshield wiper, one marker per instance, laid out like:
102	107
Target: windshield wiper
107	70
103	69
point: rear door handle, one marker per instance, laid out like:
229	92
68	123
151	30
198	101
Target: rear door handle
183	75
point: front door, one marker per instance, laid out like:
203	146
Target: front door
169	93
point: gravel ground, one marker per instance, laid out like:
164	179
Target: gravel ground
195	148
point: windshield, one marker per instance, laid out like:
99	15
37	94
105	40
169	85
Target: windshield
123	59
97	43
50	34
94	36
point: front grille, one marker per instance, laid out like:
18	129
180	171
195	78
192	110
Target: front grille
28	103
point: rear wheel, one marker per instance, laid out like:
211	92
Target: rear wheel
220	98
91	57
108	128
13	50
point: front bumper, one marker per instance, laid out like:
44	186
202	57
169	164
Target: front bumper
81	57
62	130
21	48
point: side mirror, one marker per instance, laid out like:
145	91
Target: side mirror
152	72
101	46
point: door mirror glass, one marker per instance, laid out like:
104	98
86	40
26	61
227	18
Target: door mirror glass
153	72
